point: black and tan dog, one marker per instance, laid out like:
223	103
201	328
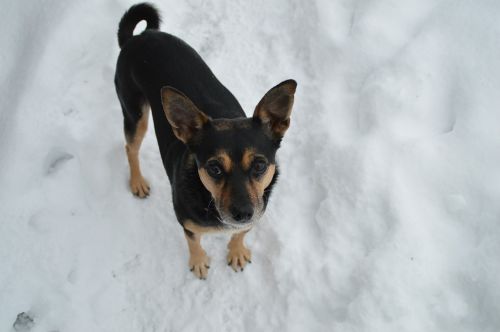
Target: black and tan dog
221	165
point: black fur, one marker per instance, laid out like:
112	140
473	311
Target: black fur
137	13
155	59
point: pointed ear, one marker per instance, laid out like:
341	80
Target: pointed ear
275	107
184	117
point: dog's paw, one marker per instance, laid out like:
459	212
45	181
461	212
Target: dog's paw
238	257
199	265
139	186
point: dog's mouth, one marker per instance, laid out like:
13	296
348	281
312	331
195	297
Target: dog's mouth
237	225
229	222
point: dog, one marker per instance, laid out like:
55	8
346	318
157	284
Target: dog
221	164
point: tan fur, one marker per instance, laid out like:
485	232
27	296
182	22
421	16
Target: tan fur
224	159
246	160
225	199
256	187
218	190
197	229
214	188
138	185
238	255
199	262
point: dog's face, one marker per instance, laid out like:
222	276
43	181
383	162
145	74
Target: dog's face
235	157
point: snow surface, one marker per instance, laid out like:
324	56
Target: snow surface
386	217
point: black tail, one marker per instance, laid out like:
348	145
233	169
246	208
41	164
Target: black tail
137	13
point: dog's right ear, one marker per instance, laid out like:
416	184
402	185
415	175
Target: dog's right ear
184	117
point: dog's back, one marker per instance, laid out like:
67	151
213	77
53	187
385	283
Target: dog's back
155	59
152	60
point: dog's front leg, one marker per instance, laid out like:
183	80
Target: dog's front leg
238	255
199	262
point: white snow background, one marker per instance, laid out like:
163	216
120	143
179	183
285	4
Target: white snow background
387	213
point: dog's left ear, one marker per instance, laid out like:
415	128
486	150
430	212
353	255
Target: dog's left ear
275	107
182	114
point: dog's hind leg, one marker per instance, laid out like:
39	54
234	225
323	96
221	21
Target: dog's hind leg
136	125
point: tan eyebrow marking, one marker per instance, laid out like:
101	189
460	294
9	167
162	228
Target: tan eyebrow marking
248	156
223	157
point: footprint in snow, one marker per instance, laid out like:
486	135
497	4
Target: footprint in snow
24	322
56	159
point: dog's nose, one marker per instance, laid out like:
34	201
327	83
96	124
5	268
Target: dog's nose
242	213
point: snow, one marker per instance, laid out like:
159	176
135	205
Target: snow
385	218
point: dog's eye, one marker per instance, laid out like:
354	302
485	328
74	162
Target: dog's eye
214	170
259	167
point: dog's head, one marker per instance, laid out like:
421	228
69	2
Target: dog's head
235	157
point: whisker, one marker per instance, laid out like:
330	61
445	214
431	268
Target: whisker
210	202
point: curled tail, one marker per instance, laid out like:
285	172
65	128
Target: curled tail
137	13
